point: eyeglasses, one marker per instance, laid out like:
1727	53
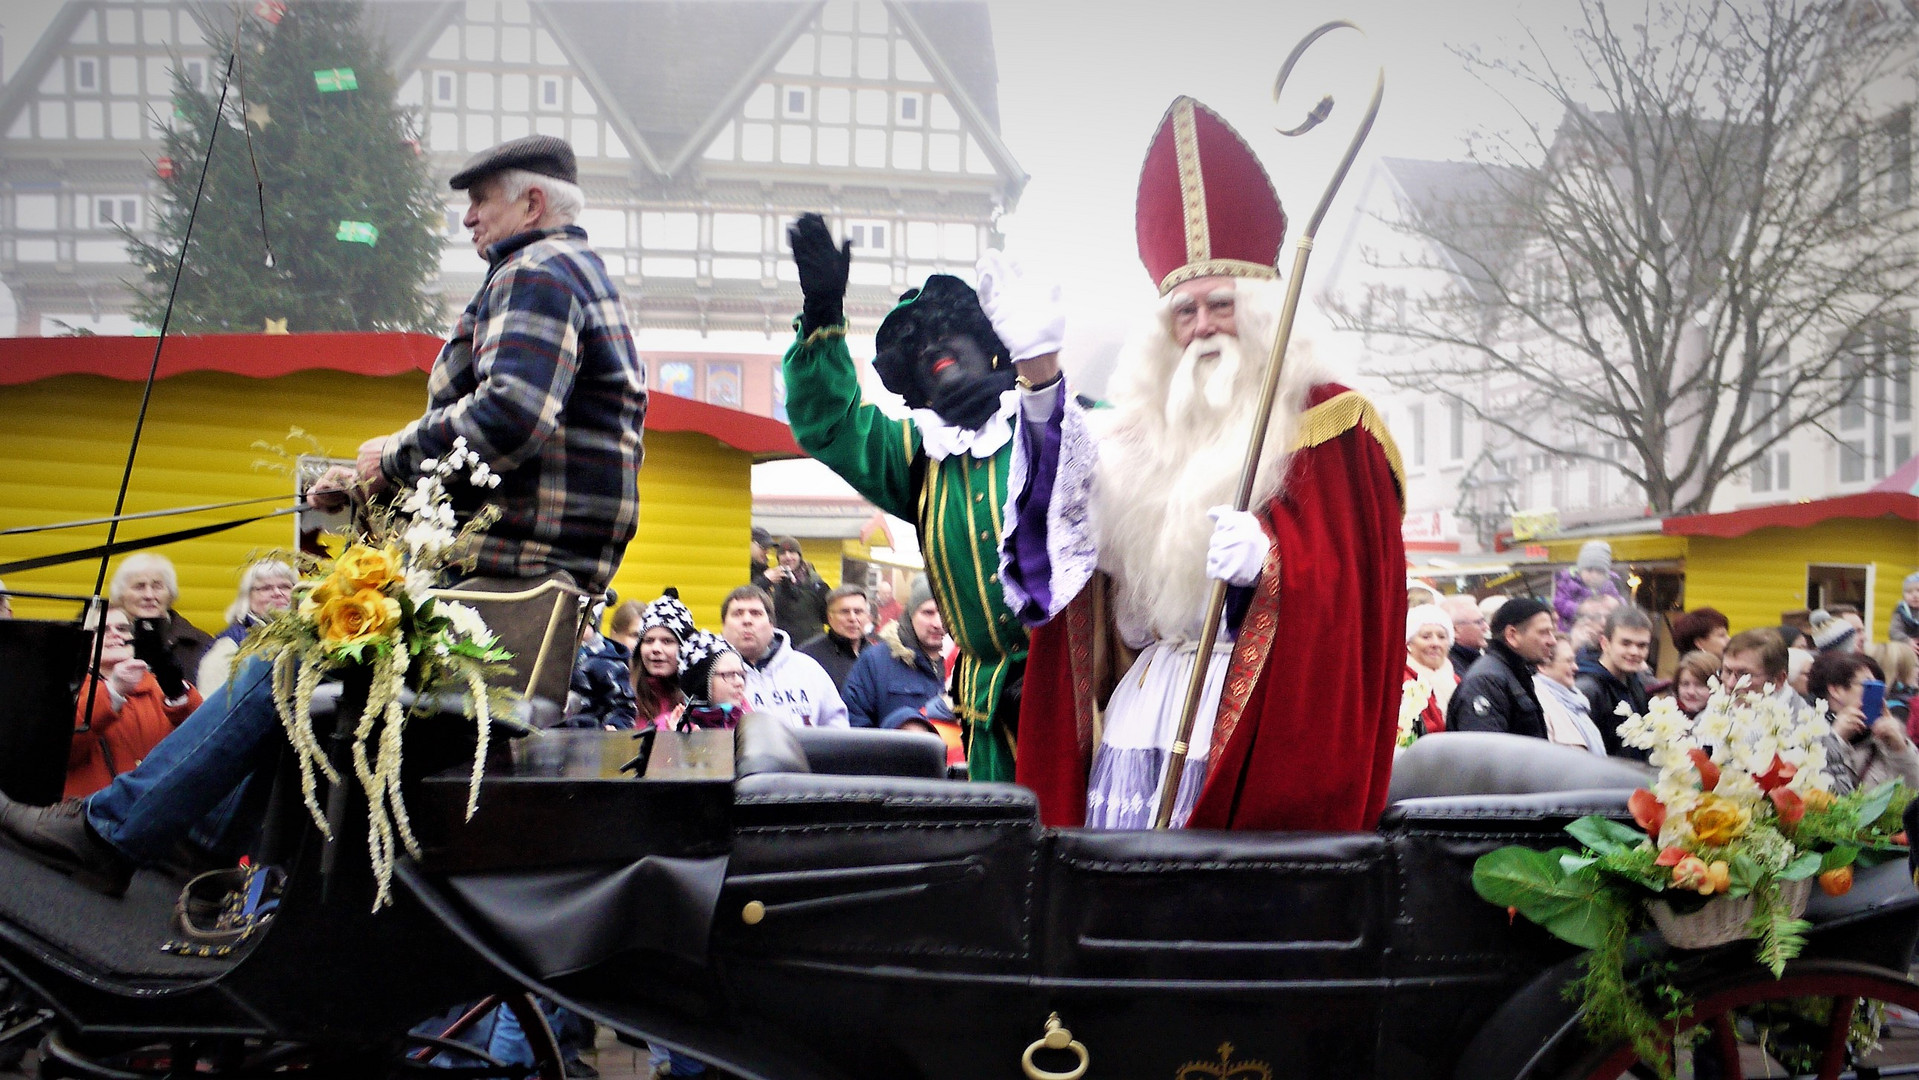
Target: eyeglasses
274	586
730	676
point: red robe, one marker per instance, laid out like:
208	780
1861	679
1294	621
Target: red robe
1309	712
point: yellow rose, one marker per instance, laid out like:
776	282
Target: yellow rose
363	567
1718	821
1817	799
344	620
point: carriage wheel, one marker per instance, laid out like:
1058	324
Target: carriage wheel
1842	985
233	1058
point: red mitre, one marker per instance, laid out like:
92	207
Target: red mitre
1206	206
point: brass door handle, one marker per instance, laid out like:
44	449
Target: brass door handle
1056	1038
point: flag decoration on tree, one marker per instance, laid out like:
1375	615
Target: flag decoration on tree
358	232
334	80
270	11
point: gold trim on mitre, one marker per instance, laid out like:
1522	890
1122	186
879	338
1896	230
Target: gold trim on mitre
1192	184
1218	268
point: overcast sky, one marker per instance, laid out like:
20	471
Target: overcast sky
1084	84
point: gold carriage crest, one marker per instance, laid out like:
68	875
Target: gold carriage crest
1225	1068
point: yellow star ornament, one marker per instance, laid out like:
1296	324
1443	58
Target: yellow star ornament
258	116
276	326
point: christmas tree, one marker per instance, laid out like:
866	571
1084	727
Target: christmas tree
350	209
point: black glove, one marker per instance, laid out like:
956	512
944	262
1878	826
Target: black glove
151	646
823	266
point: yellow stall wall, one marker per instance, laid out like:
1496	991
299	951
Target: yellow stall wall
63	442
1756	577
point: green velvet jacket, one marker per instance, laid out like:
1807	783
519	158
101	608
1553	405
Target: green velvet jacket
956	502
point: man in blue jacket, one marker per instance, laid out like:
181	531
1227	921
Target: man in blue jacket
900	674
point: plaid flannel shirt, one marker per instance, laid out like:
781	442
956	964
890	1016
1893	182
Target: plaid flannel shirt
541	378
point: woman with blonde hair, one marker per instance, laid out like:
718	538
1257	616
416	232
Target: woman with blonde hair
266	588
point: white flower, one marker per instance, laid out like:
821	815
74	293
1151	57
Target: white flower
430	465
467	623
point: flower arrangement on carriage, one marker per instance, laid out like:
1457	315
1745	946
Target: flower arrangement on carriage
1731	838
373	606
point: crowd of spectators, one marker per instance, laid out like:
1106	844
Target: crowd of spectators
1569	671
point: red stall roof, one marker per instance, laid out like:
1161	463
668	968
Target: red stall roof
1867	504
268	356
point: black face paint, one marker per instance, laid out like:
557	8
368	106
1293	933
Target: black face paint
962	383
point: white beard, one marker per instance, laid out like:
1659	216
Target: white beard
1171	448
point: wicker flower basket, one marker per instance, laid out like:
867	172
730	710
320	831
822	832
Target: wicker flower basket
1723	919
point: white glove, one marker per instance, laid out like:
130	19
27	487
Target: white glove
1237	550
1025	310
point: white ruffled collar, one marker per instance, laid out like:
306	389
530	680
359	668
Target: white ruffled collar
942	440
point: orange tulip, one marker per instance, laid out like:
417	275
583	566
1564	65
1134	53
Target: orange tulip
1692	873
1670	856
1787	803
1647	810
1708	772
1778	775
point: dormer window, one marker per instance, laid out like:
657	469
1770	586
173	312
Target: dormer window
911	109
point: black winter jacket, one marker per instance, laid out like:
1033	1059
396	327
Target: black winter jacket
1497	695
1604	691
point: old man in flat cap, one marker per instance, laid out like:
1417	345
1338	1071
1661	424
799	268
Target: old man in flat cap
541	380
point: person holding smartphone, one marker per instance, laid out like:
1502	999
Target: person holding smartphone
143	695
1867	747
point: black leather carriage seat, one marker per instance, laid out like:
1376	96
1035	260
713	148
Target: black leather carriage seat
766	744
1489	763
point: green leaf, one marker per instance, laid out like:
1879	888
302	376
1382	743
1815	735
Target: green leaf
1746	874
1874	805
1575	908
1573	864
1842	855
1802	868
1605	835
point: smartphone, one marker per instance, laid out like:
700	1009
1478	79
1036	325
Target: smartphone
149	638
1873	703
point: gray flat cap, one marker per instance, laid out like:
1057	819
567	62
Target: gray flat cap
541	154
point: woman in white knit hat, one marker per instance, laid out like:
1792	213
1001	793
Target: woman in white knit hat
1429	635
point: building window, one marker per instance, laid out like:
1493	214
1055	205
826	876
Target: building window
443	87
86	74
196	73
910	109
867	235
1897	130
796	102
114	210
1419	435
455	221
549	92
1772	469
1456	430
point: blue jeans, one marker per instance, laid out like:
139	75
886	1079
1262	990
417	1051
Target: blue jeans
194	771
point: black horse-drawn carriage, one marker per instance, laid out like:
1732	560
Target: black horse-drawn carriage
827	905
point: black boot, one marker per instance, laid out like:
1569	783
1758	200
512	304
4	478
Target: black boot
60	837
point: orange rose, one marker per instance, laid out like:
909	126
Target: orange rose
1718	821
363	567
345	620
1718	877
1837	881
1816	799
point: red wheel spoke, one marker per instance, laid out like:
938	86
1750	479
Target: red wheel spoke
1726	1041
1837	1028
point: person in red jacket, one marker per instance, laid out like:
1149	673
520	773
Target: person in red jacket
131	713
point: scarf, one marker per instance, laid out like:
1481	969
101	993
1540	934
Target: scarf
1442	681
